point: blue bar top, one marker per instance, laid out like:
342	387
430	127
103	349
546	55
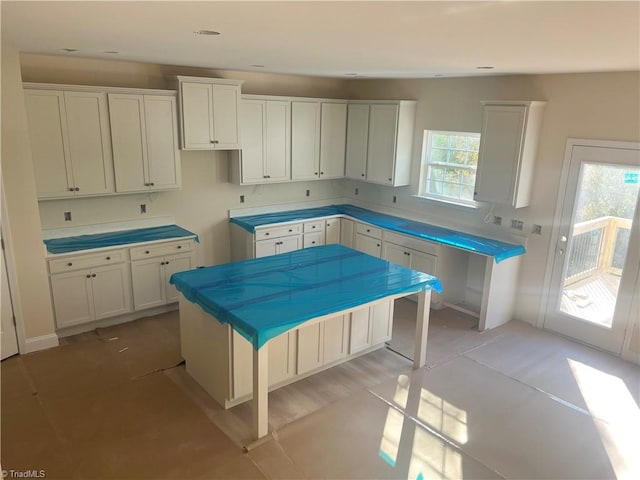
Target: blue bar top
112	239
265	297
465	241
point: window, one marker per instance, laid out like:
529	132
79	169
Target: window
449	162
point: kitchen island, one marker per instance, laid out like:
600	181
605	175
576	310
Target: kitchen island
287	312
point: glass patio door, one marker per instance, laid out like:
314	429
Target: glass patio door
596	262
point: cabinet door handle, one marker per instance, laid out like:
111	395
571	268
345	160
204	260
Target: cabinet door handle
316	174
290	230
215	141
313	243
152	184
94	275
377	245
362	175
146	251
166	263
69	264
267	234
389	179
71	189
108	258
179	247
321	173
88	276
368	230
77	189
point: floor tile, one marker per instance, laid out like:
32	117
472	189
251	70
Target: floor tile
511	427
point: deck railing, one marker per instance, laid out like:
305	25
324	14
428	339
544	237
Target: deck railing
598	246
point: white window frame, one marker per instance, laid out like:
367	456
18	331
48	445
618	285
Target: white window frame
426	163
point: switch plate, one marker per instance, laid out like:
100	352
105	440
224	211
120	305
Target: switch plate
241	198
67	216
308	192
517	224
143	208
497	220
537	229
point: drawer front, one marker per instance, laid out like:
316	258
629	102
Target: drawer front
275	232
159	249
69	264
312	239
423	246
311	227
369	231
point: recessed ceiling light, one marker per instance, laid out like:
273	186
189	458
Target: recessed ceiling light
111	52
351	74
438	75
69	50
206	32
484	68
257	65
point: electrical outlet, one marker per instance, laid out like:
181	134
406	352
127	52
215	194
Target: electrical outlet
537	229
241	198
517	224
394	199
497	220
143	208
356	191
67	216
308	192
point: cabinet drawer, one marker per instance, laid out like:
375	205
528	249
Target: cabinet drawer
369	230
423	246
275	232
311	227
158	249
80	262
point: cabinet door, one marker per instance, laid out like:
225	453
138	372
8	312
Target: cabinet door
128	138
347	232
163	157
312	239
289	244
48	138
381	322
499	156
252	118
423	262
333	135
309	347
359	338
72	298
148	283
369	245
336	339
225	103
197	116
89	142
396	254
332	231
383	125
277	149
111	286
357	141
173	264
305	140
264	248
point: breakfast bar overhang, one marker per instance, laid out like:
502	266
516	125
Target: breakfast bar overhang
262	299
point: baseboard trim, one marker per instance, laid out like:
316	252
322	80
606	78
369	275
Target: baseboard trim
42	342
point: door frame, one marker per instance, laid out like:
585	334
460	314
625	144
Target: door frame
11	272
555	234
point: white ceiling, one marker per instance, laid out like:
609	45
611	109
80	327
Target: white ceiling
383	39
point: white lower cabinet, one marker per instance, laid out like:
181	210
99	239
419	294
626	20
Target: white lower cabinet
294	354
91	294
104	284
151	276
332	231
264	248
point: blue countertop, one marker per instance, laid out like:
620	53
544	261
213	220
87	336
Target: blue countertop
113	239
473	243
265	297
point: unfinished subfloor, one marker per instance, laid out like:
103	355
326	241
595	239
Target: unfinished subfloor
514	402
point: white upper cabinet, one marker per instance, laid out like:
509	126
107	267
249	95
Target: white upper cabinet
144	136
333	136
305	140
69	136
265	127
508	147
357	141
209	113
380	142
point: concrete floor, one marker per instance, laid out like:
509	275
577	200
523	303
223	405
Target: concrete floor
514	402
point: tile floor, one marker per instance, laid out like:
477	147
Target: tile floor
515	402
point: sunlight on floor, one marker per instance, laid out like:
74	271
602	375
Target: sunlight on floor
429	456
617	414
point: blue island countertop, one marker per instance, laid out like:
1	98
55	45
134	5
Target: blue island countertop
265	297
486	246
114	239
